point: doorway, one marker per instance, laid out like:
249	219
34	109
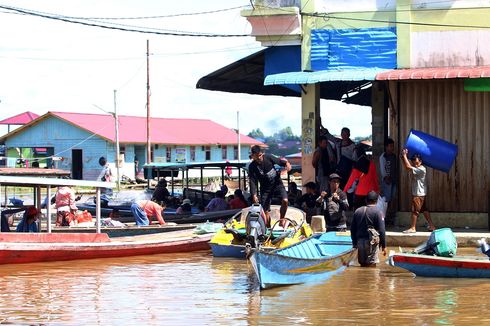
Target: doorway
77	164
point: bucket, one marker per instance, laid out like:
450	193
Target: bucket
318	223
436	153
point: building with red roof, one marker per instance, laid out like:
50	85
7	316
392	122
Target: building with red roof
19	119
76	141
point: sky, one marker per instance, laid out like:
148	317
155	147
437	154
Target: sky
51	65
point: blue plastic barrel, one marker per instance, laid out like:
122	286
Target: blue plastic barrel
436	153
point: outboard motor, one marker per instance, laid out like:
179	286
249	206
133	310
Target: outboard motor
255	226
484	247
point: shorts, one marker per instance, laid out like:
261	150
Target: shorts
418	205
276	190
367	253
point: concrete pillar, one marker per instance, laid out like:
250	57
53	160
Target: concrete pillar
310	113
379	119
403	32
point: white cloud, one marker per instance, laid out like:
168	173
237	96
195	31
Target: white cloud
57	66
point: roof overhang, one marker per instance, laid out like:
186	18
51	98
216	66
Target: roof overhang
247	76
314	77
435	73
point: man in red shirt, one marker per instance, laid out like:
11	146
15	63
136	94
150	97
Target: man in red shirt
144	210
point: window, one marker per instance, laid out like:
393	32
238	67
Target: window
223	152
235	152
169	154
192	150
207	152
122	149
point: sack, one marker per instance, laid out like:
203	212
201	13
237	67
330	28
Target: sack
373	236
84	217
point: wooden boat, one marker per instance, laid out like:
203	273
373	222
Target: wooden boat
230	241
436	266
312	260
124	231
16	248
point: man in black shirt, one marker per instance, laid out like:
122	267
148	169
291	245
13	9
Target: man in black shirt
366	218
261	170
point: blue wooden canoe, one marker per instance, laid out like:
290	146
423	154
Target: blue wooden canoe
312	260
435	266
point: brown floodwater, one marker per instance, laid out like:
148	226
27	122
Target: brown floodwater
197	289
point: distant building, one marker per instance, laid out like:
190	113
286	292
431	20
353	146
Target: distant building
76	141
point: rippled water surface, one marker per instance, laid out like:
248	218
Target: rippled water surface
197	289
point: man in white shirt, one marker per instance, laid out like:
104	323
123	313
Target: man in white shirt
419	190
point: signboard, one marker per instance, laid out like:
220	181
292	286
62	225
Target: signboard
180	155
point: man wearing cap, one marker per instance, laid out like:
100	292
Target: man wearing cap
334	204
366	218
261	170
144	210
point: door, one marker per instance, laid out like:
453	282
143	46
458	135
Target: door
76	164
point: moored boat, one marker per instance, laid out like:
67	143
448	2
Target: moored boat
436	266
16	248
232	239
312	260
437	258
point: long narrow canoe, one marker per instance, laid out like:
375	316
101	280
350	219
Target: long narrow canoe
18	248
435	266
312	260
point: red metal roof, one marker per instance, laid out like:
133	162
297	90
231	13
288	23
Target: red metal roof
172	131
20	119
435	73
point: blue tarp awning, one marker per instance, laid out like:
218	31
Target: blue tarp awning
313	77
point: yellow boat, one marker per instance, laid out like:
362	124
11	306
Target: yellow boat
246	229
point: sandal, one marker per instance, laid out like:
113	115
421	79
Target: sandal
409	231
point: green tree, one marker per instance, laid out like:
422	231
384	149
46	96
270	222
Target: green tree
256	133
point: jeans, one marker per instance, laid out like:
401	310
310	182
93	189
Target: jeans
388	191
139	215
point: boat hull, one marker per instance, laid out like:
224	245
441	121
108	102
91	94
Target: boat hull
299	263
31	248
434	266
228	250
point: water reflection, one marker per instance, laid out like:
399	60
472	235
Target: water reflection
195	288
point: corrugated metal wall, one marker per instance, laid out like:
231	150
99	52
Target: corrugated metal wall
442	108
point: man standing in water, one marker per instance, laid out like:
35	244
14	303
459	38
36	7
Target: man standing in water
368	232
261	170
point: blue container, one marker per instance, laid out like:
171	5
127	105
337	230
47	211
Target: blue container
436	153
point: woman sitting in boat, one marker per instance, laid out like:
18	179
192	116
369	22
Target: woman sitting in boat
185	208
65	206
28	222
239	200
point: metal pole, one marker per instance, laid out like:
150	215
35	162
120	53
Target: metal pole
148	139
116	118
97	209
238	132
48	208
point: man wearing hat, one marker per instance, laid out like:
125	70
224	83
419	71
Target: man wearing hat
365	220
261	170
334	204
185	208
